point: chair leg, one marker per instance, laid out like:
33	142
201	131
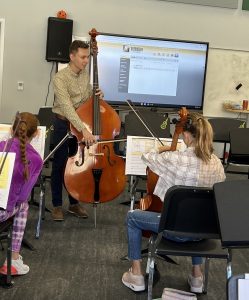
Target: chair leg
206	270
42	186
224	154
2	248
150	266
229	264
151	262
9	258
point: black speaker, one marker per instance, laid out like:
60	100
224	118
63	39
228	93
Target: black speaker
59	38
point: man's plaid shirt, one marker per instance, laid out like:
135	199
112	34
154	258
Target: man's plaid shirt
183	168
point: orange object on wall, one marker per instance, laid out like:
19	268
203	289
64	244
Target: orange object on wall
61	14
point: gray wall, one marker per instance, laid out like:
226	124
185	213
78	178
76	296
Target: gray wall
26	26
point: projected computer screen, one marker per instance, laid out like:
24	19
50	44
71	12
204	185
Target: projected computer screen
151	71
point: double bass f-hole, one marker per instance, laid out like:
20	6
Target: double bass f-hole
111	162
81	156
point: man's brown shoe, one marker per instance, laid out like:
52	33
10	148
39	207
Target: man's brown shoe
57	214
78	211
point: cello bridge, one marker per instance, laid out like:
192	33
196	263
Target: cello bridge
96	154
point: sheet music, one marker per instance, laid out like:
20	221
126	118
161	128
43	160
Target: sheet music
243	289
5	132
5	177
38	142
138	145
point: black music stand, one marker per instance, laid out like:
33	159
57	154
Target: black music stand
232	208
42	186
45	117
232	201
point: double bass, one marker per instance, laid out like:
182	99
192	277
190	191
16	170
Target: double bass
96	174
152	202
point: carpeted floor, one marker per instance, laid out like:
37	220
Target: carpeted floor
73	260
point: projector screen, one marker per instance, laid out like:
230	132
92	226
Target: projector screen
152	72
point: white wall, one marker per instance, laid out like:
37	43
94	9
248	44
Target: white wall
26	29
226	69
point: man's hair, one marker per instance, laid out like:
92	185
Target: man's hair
76	45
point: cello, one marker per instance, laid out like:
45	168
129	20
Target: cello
96	174
152	202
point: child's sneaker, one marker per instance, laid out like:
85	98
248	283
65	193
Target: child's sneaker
17	267
196	284
134	282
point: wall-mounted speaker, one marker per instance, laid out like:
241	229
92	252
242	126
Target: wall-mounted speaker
59	38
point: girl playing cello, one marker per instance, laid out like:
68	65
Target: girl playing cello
196	166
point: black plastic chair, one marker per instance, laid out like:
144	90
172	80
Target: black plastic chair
187	212
6	232
239	150
46	118
222	127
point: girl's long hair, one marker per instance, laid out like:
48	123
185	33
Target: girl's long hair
202	131
27	127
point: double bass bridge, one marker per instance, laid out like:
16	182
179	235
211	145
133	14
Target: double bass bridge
96	154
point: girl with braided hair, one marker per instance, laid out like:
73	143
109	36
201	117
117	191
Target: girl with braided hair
27	167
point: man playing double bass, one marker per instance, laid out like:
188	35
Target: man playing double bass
71	88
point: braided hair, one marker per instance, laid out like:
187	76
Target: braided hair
26	128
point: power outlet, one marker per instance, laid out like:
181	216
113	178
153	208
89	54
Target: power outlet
20	85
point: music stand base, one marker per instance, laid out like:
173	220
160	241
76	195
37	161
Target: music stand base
4	282
28	245
34	203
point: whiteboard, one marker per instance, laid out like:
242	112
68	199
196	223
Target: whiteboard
225	70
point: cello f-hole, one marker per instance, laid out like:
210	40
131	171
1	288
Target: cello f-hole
111	162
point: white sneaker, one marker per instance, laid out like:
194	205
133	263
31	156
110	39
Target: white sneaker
196	284
17	267
134	282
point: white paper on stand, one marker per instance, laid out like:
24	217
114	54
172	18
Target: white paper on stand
243	289
5	177
137	146
38	142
